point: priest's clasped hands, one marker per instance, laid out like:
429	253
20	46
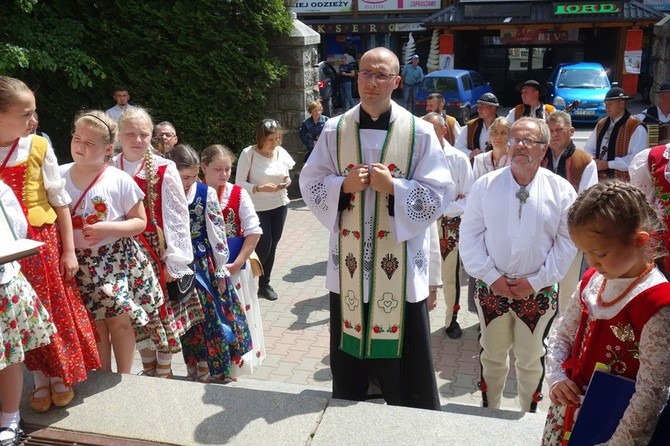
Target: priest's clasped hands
360	177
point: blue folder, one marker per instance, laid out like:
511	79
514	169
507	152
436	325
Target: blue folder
234	247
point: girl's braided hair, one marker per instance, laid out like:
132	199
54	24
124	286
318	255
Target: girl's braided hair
617	210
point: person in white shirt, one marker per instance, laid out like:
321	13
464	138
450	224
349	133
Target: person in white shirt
475	137
617	138
531	104
515	241
461	174
658	114
121	96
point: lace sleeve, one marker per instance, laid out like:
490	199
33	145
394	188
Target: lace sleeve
216	234
176	226
53	182
562	338
248	216
651	386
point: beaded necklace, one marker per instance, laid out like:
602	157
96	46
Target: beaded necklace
638	279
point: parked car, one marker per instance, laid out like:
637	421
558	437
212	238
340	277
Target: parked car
461	90
328	88
580	86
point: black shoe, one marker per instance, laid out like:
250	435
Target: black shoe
454	330
266	292
12	441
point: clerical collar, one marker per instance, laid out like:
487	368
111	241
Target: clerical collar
381	123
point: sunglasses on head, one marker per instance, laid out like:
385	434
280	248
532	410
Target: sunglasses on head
271	124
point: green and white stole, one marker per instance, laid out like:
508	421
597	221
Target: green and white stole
381	335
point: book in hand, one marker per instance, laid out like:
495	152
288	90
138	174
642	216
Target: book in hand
11	247
606	399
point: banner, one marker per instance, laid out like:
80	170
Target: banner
320	6
398	5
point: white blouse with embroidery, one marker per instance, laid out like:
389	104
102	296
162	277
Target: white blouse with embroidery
653	377
53	183
17	223
248	217
174	209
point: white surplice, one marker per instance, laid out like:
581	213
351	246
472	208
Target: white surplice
419	201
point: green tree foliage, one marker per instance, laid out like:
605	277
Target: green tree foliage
204	65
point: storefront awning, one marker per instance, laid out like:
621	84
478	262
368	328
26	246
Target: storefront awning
473	14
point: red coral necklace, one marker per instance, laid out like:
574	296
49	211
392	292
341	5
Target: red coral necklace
638	279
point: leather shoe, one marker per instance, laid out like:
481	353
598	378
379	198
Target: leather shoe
12	441
62	399
268	293
41	404
454	331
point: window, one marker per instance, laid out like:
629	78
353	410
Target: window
477	80
467	83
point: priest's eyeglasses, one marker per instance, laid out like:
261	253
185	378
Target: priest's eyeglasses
525	142
381	77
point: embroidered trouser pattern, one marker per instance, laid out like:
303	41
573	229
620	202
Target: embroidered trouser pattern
451	266
522	325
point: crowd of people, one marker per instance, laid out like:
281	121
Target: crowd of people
157	251
408	200
147	246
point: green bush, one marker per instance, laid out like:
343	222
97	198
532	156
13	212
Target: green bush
203	65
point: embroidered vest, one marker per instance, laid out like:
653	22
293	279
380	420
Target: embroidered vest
657	164
197	213
474	128
614	342
231	213
450	134
575	164
522	110
157	201
27	183
622	136
380	336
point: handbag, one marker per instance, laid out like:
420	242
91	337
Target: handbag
181	290
256	265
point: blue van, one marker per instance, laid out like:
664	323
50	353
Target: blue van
583	84
461	90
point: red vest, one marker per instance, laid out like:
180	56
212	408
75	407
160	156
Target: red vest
657	165
231	213
615	341
158	199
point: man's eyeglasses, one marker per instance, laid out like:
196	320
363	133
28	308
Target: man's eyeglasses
381	77
165	135
270	124
525	142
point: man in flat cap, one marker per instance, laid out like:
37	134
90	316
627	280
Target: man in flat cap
475	138
531	92
617	138
657	117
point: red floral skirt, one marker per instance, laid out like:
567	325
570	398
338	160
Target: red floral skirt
72	350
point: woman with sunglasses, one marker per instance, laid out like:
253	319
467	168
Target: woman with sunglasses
263	171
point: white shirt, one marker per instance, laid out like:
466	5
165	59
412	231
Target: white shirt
110	199
664	119
483	164
638	142
254	169
248	217
116	111
494	241
462	140
461	174
429	190
533	112
589	176
174	209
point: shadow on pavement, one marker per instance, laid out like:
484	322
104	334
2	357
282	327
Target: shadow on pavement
303	273
304	308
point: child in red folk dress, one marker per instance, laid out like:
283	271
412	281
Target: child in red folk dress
29	166
620	314
216	346
115	279
166	241
242	229
24	325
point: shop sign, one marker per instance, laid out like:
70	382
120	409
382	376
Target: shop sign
538	36
319	6
398	5
348	28
587	8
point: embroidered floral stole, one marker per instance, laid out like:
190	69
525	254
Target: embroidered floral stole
380	336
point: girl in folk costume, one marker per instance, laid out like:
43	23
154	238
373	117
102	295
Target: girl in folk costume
497	157
24	324
216	346
29	166
165	241
620	314
115	278
243	231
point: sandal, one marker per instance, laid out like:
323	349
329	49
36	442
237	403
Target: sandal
41	404
14	441
149	368
62	399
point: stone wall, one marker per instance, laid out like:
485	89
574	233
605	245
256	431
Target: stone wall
288	102
660	55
